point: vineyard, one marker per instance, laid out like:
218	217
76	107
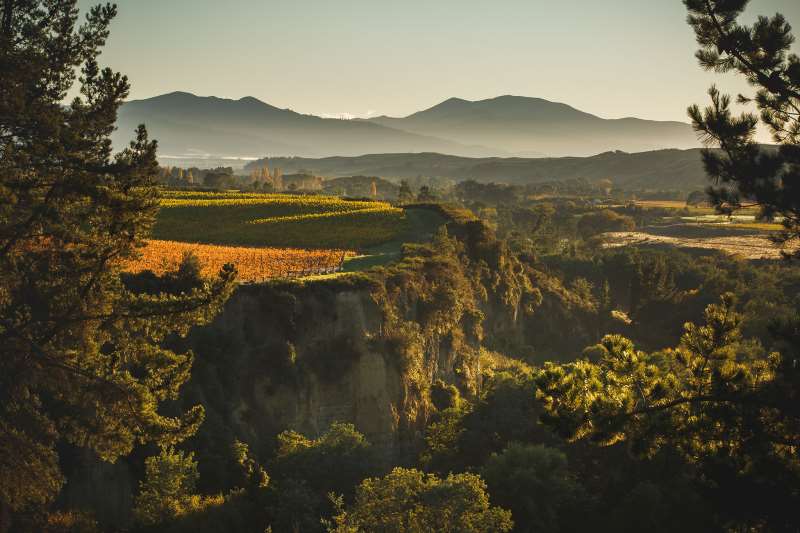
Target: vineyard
252	264
277	220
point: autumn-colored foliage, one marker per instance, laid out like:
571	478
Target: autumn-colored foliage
252	264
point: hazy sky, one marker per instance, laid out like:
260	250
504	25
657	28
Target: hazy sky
613	58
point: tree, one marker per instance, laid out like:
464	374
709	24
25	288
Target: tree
425	194
218	179
336	461
168	486
605	220
405	194
605	185
305	470
409	500
81	357
730	414
533	481
696	198
742	172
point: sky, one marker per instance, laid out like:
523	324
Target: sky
613	58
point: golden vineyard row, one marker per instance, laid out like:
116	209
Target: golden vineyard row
252	264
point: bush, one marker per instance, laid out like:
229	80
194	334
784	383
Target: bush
597	222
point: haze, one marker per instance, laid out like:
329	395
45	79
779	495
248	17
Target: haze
363	58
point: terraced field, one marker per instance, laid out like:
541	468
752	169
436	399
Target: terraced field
276	220
268	235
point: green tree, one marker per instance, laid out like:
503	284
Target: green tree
408	500
168	487
603	221
81	357
533	481
696	198
306	470
743	173
405	194
465	436
218	179
727	411
425	194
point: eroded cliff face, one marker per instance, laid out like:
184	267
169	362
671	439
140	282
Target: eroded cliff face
324	364
363	350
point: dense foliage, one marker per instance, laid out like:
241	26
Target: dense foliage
81	358
409	500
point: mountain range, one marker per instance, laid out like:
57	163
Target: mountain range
655	170
187	124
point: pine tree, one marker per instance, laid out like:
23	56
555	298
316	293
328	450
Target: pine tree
743	173
81	357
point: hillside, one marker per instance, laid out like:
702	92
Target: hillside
187	124
533	127
661	169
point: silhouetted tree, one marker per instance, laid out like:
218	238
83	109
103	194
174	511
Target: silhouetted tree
742	171
81	357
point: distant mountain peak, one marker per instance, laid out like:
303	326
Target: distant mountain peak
173	95
502	125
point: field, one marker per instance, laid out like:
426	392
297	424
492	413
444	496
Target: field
266	235
275	220
252	264
745	246
741	234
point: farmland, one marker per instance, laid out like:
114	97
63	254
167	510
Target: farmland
265	235
701	228
252	264
275	220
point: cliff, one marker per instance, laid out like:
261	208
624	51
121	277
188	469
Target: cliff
363	348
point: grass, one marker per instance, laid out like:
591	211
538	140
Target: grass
760	226
421	224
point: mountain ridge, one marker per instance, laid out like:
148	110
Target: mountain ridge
668	169
505	125
185	123
520	124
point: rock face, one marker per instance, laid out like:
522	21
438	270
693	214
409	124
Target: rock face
335	372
